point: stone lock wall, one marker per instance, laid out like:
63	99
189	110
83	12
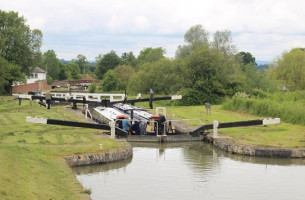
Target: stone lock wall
99	158
230	146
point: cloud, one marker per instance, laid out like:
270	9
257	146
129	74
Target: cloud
264	28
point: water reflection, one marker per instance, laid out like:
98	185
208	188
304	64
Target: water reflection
194	170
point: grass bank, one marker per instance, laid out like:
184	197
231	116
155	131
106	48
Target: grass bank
31	155
282	135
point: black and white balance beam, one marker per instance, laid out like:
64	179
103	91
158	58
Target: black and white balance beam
74	124
217	125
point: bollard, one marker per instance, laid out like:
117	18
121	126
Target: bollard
215	126
112	129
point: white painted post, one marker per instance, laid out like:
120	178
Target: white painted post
36	120
176	97
215	126
86	111
112	129
271	121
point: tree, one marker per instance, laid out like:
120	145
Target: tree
128	59
212	74
163	76
83	64
106	62
92	88
110	82
51	64
123	73
9	73
150	55
18	43
253	77
245	57
73	71
222	42
291	69
195	37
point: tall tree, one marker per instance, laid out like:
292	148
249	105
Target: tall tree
150	55
157	75
106	62
212	74
124	73
291	69
51	64
222	42
245	57
73	71
9	74
82	62
128	59
18	43
195	37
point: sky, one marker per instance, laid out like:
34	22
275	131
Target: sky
265	28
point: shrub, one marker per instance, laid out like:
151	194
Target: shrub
288	111
258	93
92	88
194	97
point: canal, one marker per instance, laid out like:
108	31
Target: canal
194	171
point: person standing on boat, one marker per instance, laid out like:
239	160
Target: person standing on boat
126	124
162	121
151	98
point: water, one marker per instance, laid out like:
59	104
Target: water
194	171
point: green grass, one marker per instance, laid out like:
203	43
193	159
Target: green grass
282	135
31	155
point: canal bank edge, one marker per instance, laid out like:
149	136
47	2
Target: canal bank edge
229	145
100	158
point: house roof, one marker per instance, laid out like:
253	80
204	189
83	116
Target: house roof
38	70
73	82
60	83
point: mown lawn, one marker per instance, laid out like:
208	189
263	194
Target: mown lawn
281	135
31	155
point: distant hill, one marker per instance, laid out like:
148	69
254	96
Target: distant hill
63	61
262	64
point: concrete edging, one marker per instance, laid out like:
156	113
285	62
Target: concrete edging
99	158
231	146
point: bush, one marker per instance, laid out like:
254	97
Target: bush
258	93
194	97
288	111
92	88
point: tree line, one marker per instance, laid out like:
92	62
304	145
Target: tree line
205	68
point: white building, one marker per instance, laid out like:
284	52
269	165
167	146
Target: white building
38	74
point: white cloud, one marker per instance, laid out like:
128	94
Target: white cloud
265	28
141	23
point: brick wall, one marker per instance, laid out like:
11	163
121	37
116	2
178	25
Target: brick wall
37	86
